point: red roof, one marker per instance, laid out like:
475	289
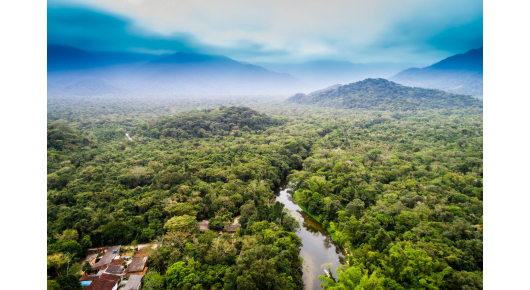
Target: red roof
105	282
138	254
116	262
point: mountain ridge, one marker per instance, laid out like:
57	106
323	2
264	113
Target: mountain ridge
382	94
460	74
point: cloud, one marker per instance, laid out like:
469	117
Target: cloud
361	31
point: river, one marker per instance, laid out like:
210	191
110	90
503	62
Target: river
318	250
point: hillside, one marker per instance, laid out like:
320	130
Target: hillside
381	94
208	122
461	74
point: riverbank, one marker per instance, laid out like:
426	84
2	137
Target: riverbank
317	218
319	250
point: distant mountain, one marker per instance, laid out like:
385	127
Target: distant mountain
381	94
64	57
461	73
321	73
74	71
67	57
210	74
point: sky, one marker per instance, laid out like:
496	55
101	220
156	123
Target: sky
278	31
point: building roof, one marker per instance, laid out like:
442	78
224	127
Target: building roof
116	262
233	227
114	270
134	282
138	254
203	225
137	265
105	282
91	258
107	258
88	277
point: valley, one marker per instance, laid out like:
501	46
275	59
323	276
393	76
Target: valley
394	183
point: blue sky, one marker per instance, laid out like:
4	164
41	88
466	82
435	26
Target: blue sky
273	31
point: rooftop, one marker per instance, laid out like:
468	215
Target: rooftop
203	225
137	265
107	258
114	270
133	282
105	282
116	262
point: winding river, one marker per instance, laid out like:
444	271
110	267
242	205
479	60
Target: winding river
319	250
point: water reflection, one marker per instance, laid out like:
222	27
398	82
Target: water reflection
319	250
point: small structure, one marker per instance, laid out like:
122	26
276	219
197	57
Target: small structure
233	227
107	258
137	265
134	282
115	270
203	225
87	279
127	258
91	259
105	282
116	262
138	254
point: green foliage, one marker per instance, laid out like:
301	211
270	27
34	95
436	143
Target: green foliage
69	282
206	123
154	281
399	188
87	268
381	94
353	278
186	224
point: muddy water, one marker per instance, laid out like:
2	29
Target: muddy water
318	248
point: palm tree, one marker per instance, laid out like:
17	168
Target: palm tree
352	278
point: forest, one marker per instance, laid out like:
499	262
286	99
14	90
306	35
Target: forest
397	182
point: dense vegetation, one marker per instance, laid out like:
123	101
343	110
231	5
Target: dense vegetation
400	190
381	94
404	198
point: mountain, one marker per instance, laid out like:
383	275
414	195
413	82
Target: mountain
320	73
381	94
193	73
78	72
61	57
461	73
64	57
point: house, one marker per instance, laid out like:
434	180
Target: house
91	259
105	282
87	279
107	258
115	270
116	262
232	228
137	265
138	254
134	282
203	225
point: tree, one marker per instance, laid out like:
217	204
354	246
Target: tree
56	262
69	282
85	243
353	278
355	207
184	224
68	235
66	246
154	281
87	268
